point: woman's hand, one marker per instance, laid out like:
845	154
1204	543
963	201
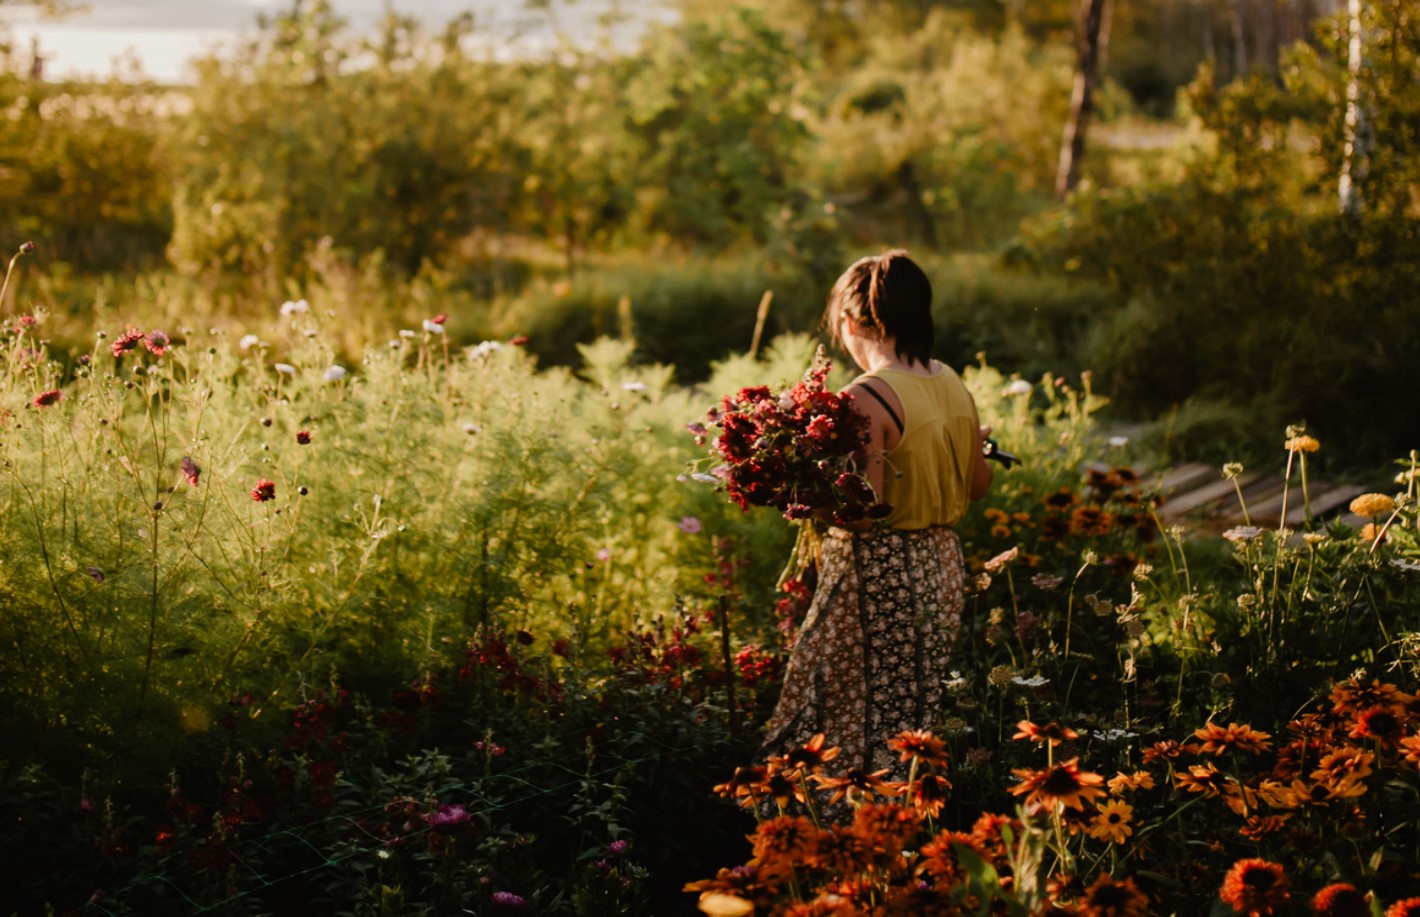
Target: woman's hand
981	472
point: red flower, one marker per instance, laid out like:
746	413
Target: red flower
1256	887
1410	907
45	399
1341	900
303	437
439	319
166	839
127	342
263	491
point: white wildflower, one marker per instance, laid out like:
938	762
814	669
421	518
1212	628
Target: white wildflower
634	386
433	327
334	373
285	369
1017	387
484	349
407	333
248	341
1117	735
1119	442
1241	533
295	307
1035	681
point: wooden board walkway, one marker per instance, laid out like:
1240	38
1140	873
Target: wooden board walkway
1198	495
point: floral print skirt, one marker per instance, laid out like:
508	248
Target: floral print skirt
874	650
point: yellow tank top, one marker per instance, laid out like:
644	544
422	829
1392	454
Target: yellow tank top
927	478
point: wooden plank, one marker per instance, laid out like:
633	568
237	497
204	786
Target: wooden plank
1264	500
1324	502
1203	496
1187	477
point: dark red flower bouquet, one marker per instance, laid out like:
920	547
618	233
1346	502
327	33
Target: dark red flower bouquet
798	451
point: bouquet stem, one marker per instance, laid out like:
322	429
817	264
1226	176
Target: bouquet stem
805	554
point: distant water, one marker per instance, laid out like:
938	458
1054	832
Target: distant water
157	38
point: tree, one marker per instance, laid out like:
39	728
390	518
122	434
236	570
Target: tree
714	103
1089	49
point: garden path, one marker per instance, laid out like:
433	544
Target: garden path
1198	495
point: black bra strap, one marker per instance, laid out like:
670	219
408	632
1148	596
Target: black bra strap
883	401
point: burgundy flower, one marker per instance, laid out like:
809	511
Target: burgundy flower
45	399
263	491
303	437
27	247
518	340
127	342
190	470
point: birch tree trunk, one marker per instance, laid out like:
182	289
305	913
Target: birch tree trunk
1239	39
1356	128
1072	145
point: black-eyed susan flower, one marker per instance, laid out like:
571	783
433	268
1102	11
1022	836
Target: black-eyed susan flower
921	745
929	795
856	785
1341	899
1220	739
1259	826
1202	778
808	758
1112	822
1256	887
1110	897
1139	780
1062	785
788	838
1053	733
1379	723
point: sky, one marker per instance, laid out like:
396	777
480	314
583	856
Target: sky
165	34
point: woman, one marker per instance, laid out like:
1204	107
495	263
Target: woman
874	649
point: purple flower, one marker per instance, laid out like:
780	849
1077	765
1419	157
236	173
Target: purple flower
509	900
617	848
97	574
451	816
689	525
190	470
